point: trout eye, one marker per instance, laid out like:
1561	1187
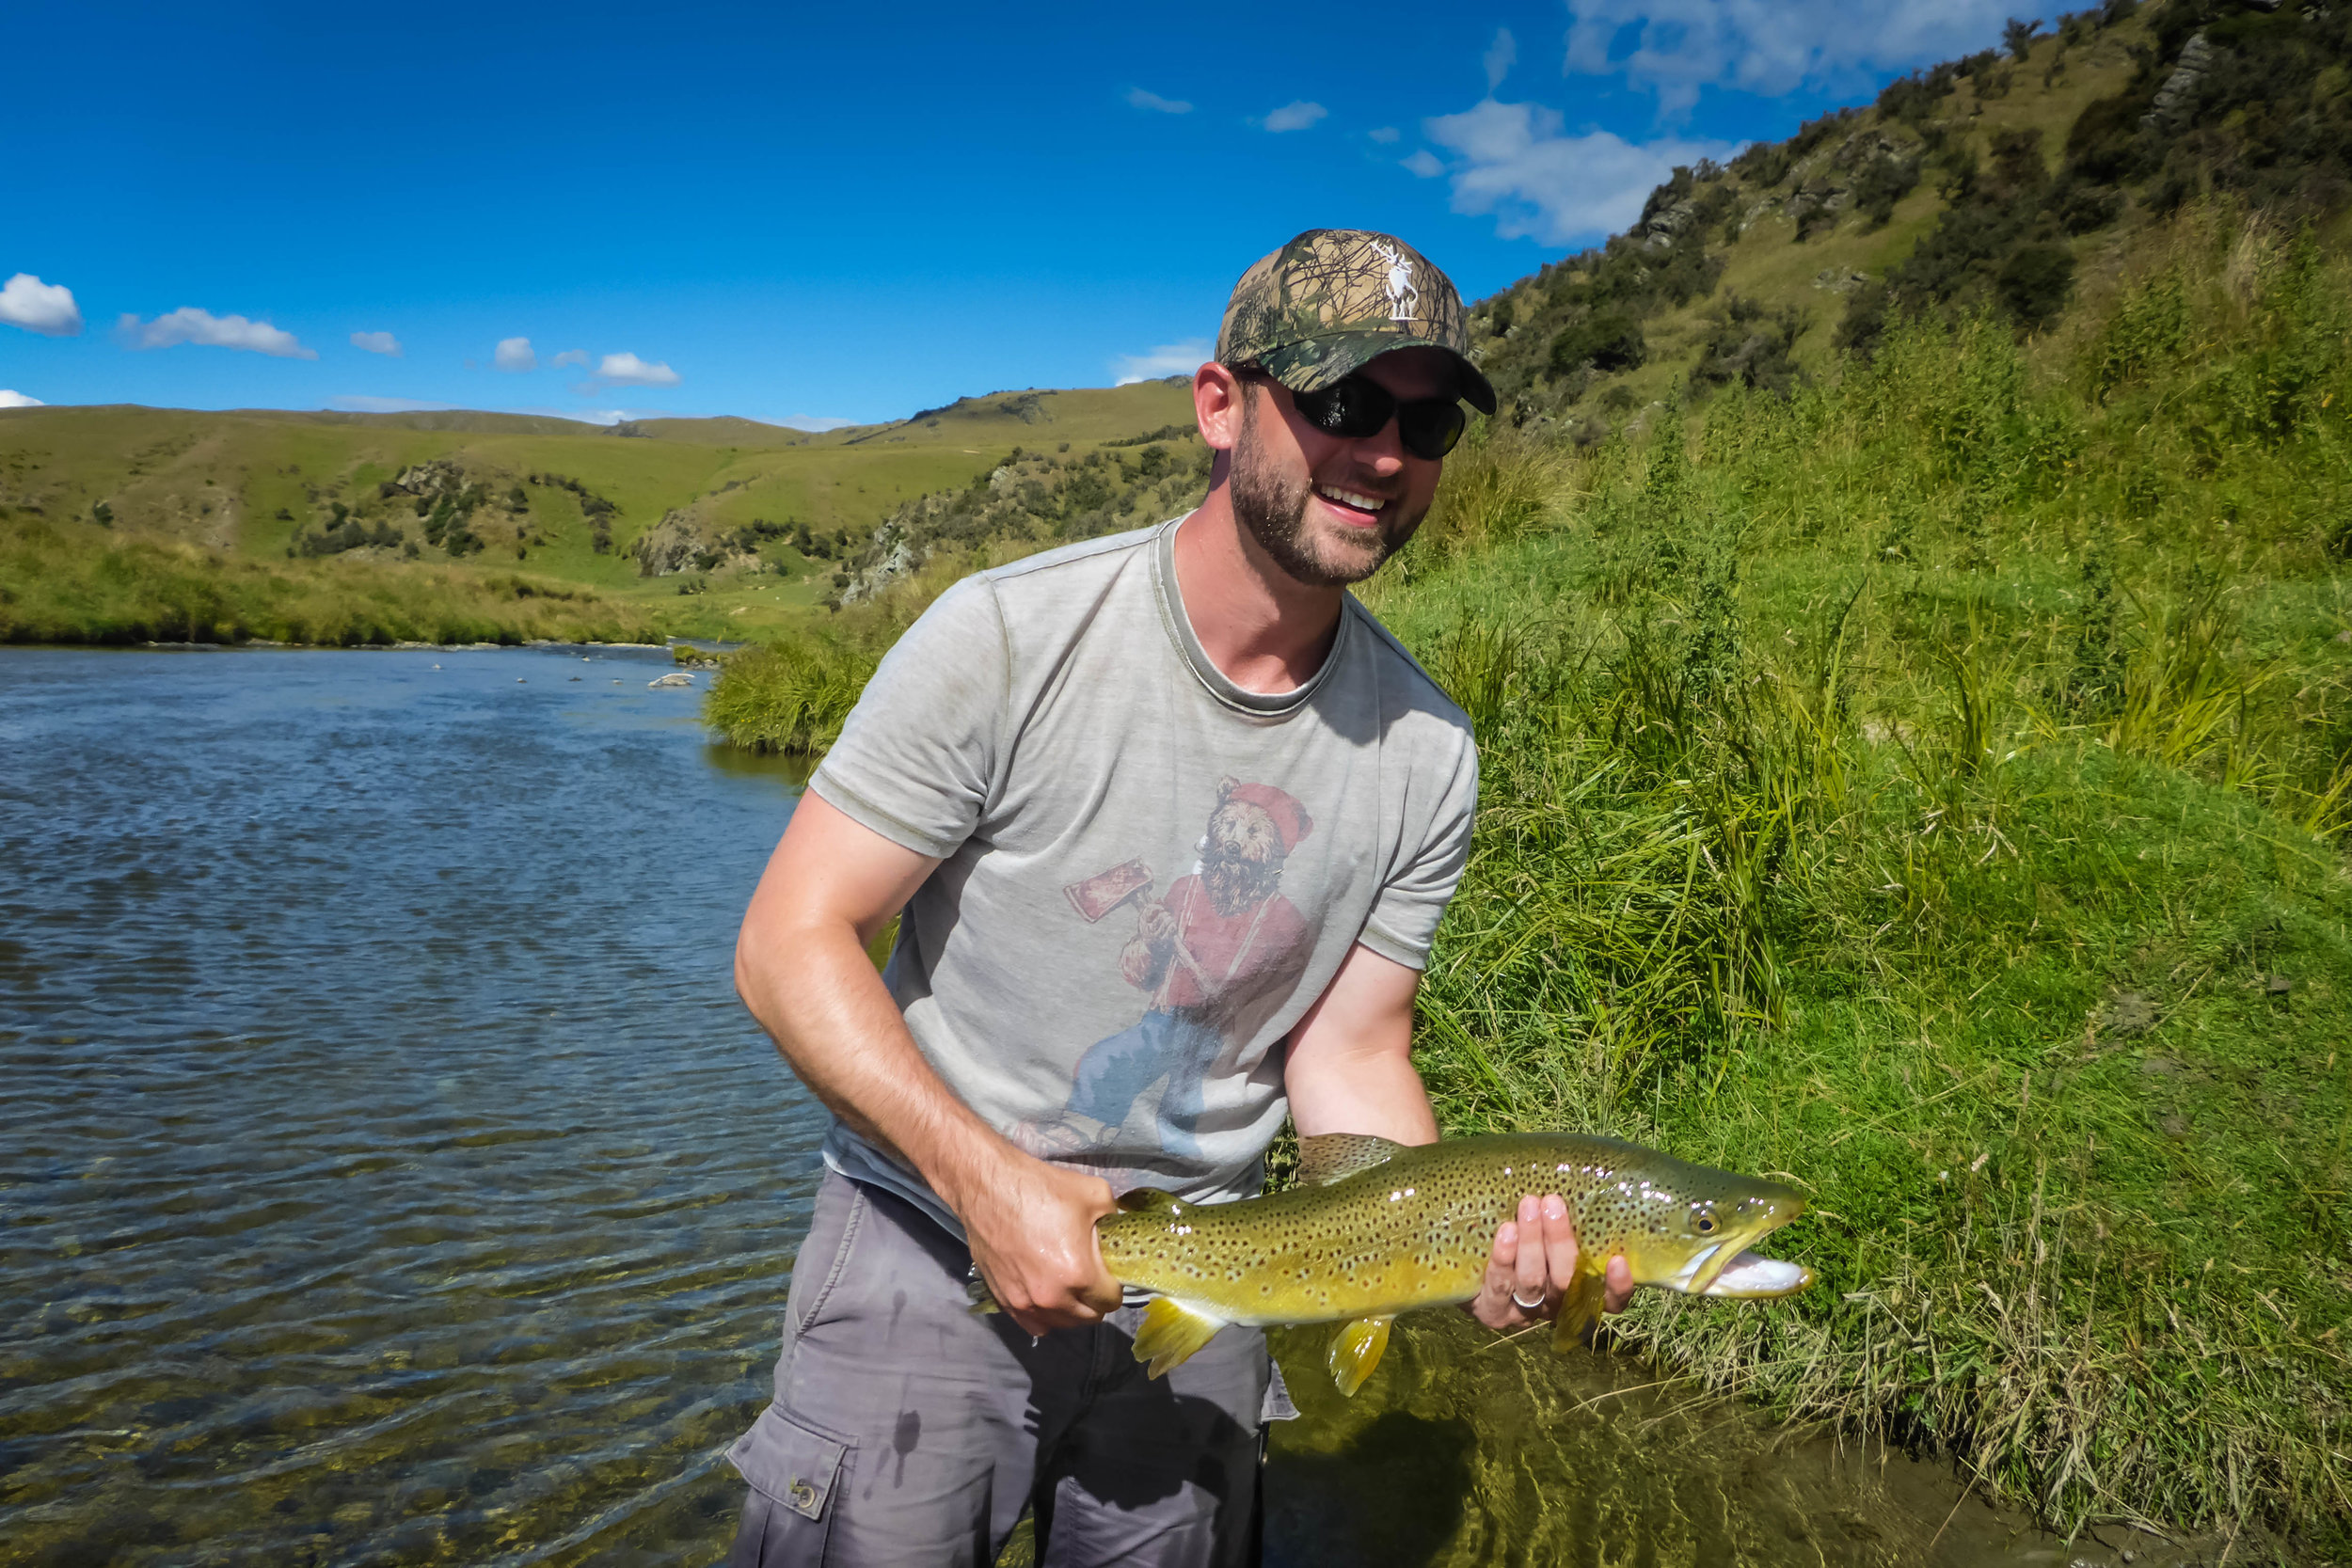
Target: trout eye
1706	1224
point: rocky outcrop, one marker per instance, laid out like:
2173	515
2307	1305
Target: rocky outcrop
899	557
440	477
670	546
2177	99
1667	226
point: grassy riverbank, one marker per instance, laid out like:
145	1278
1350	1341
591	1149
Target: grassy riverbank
56	590
1933	786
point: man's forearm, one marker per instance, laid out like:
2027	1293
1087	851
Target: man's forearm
816	992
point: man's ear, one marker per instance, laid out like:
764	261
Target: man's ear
1217	394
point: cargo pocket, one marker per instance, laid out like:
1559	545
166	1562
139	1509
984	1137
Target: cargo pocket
797	1469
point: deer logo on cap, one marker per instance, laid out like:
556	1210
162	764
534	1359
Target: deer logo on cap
1404	294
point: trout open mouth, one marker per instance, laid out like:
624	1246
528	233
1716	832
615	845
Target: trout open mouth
1749	1276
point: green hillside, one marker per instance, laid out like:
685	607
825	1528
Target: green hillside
2018	180
126	522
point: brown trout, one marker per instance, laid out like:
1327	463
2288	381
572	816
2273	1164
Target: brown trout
1374	1229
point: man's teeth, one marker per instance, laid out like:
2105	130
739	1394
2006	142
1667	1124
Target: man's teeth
1350	498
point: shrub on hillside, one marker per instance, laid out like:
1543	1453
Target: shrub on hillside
2034	282
1747	345
1607	339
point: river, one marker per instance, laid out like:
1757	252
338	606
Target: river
391	1176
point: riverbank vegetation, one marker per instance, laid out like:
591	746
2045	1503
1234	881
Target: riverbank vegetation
1933	786
53	589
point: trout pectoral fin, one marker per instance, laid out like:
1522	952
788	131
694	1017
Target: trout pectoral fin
1171	1332
1579	1309
1356	1350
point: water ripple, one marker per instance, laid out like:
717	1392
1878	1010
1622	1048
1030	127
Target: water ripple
387	1175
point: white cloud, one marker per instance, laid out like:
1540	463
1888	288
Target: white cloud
1154	102
17	399
1168	360
1500	58
626	369
570	356
47	308
1294	116
513	354
1425	163
189	325
606	416
815	423
1766	47
1512	160
1384	134
376	342
354	403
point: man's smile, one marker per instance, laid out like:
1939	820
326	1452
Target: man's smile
1356	506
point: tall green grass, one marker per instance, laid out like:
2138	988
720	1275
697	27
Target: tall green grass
53	589
788	695
1932	786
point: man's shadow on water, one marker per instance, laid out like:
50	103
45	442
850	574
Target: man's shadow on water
1392	1499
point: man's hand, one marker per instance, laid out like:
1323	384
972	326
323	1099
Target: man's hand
1534	1259
1031	1227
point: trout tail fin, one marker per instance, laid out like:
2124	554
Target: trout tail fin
1171	1332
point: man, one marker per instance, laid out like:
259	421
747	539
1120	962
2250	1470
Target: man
1031	762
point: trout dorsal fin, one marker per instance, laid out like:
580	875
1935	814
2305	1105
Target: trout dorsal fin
1329	1157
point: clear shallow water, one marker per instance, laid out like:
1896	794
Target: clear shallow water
388	1173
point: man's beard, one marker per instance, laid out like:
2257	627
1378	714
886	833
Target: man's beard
1274	510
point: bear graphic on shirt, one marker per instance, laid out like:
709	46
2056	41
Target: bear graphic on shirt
1208	954
1227	925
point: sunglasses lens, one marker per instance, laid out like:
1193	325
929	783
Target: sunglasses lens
1352	409
1357	408
1430	428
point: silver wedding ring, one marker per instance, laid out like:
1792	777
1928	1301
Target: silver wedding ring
1526	1305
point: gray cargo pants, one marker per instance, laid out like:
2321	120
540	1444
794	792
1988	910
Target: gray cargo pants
908	1432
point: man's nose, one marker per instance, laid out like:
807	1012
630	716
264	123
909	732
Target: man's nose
1383	451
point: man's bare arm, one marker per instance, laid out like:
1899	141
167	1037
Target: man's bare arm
801	969
1350	1070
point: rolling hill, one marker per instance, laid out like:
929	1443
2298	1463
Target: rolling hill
414	503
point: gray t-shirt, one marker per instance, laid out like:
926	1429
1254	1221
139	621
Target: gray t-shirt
1149	874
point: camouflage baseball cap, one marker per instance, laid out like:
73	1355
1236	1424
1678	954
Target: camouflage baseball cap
1326	305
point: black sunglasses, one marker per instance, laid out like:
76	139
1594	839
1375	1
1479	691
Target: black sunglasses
1359	408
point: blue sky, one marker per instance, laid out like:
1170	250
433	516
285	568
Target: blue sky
803	215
